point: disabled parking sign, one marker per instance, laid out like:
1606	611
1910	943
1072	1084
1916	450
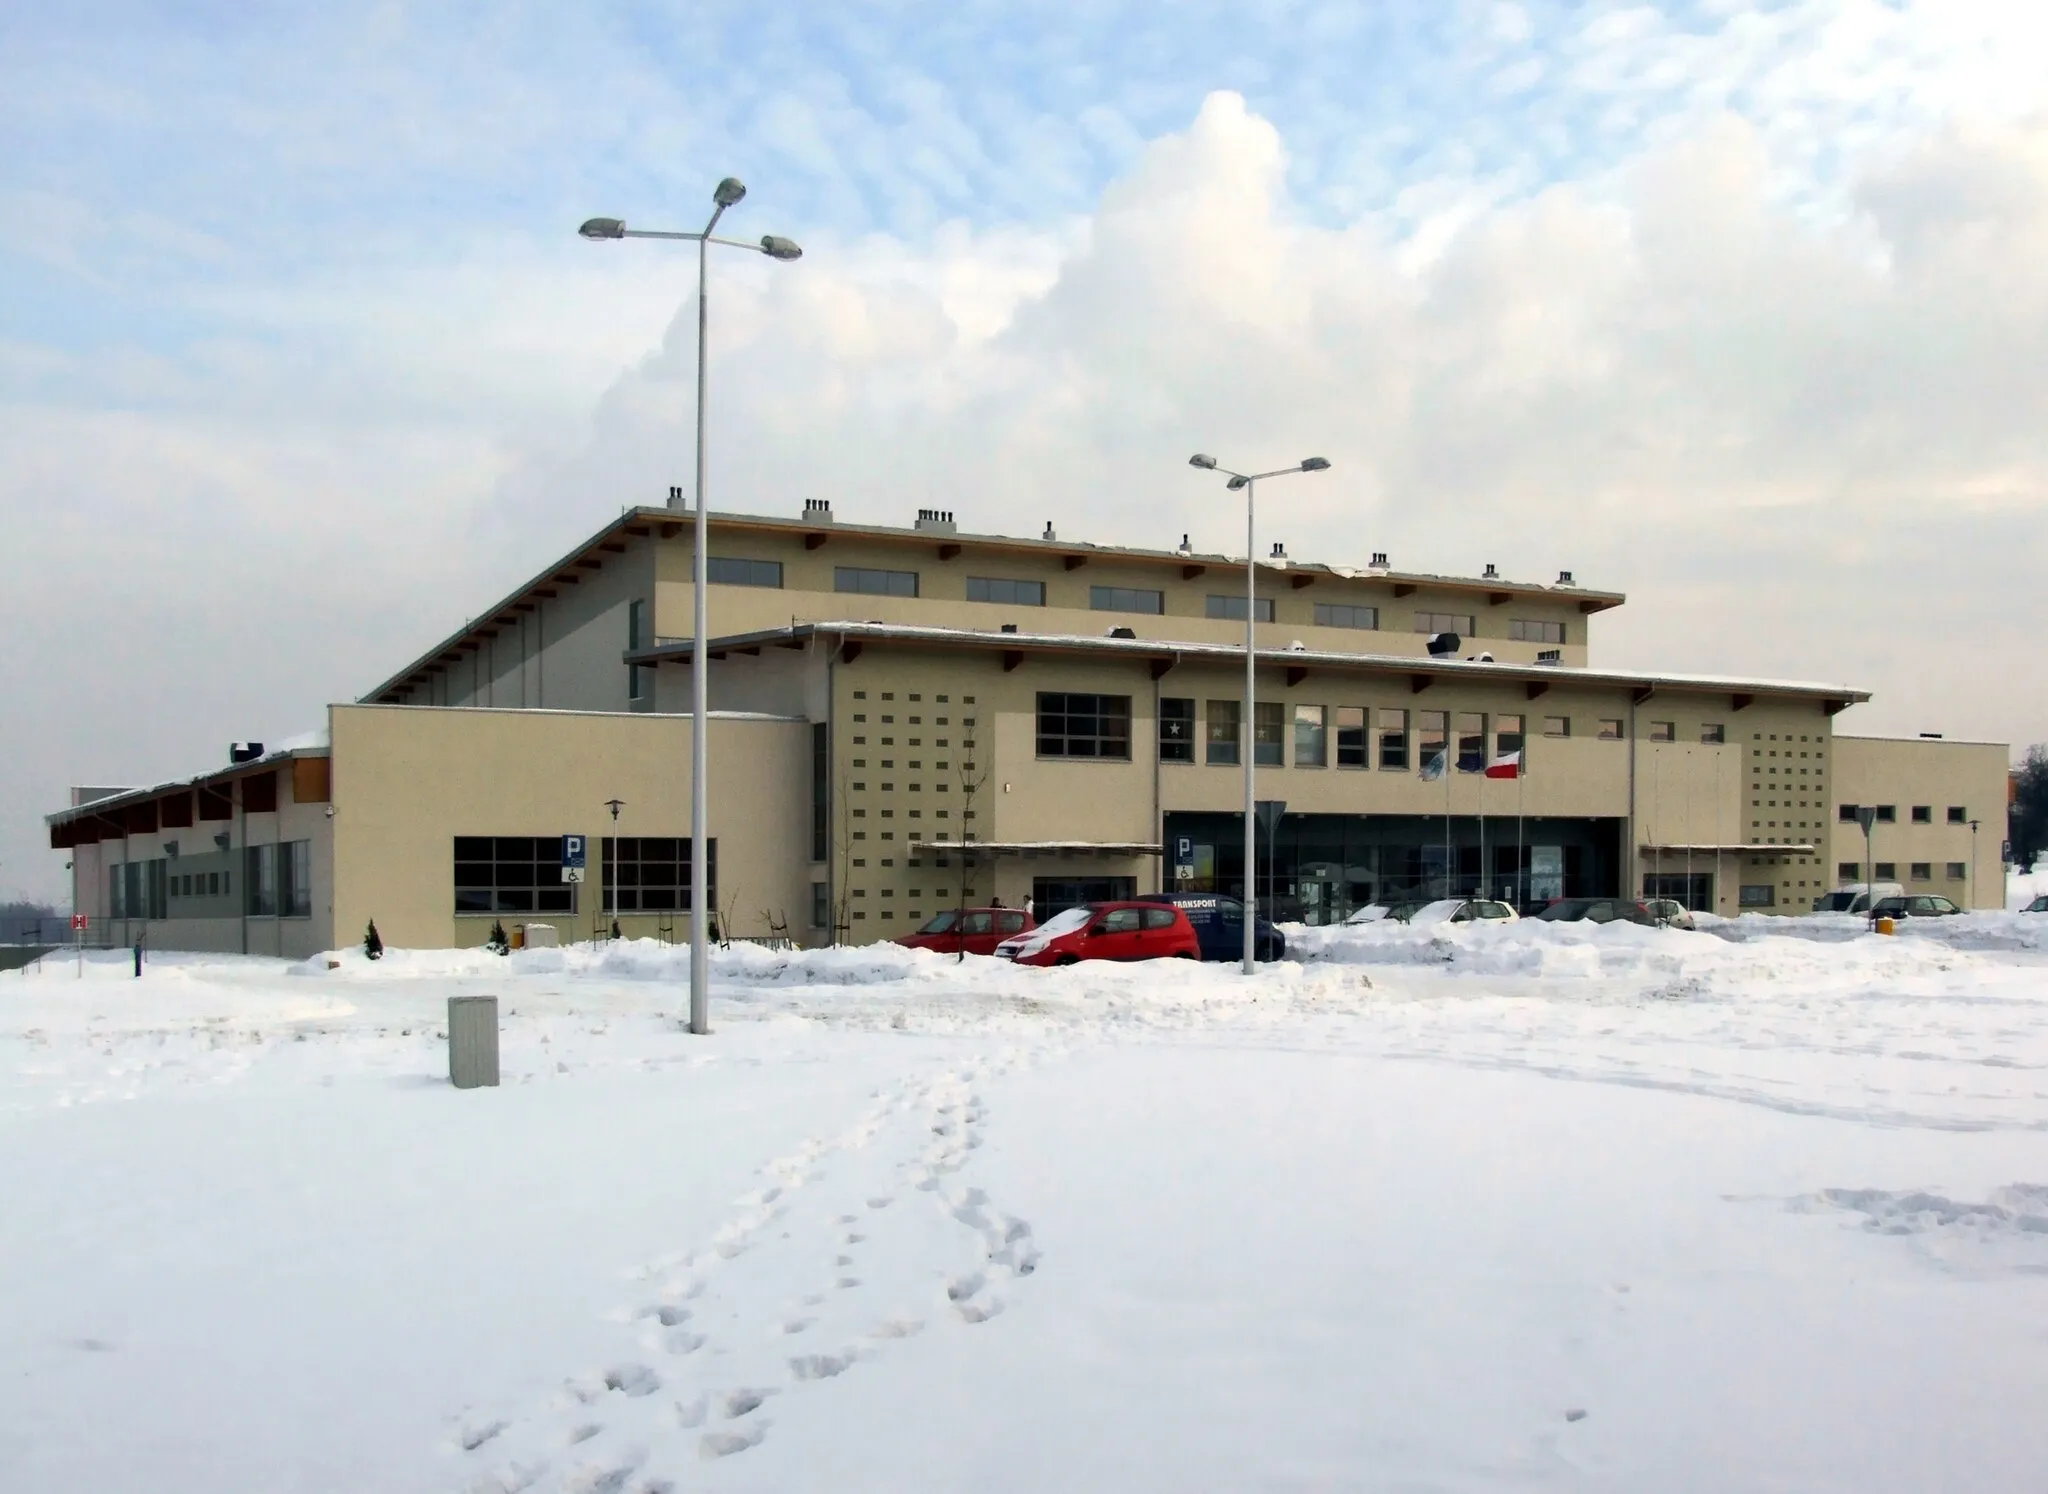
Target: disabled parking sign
575	853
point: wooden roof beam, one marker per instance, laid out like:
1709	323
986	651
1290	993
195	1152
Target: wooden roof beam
1075	562
1404	588
1417	683
1012	657
1537	688
1298	581
815	541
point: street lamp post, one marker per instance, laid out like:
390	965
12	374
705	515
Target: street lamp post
728	192
1248	482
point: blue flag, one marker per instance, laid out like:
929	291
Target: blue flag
1433	769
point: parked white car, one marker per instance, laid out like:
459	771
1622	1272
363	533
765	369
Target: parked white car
1443	910
1855	897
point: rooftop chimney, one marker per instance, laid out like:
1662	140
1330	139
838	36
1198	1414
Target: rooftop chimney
1564	578
1279	550
1048	531
1492	572
1379	560
675	497
1185	547
935	521
817	510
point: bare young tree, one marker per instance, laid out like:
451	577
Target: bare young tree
971	785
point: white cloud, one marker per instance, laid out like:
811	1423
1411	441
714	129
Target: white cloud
1809	444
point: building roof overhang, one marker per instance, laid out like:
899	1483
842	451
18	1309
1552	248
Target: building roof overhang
1164	654
1744	848
314	746
667	523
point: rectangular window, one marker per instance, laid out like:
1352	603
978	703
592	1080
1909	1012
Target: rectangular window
1887	814
1444	622
1507	734
1758	895
821	791
1009	592
1923	814
1663	731
117	899
1393	735
260	883
821	905
1233	607
1923	871
1957	871
1351	747
1713	731
511	874
1610	729
1269	733
1848	871
1224	726
874	583
731	570
1846	813
1535	630
1176	731
1471	742
1557	726
1958	815
1432	738
1345	615
1887	871
651	873
636	618
1311	745
295	879
1071	725
1127	599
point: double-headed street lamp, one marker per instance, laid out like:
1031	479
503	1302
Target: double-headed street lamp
728	192
1249	481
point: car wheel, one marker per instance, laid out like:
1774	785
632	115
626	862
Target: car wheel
1068	960
1182	954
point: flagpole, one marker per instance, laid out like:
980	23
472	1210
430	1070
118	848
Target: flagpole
1521	851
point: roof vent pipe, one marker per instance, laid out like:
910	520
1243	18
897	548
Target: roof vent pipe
244	752
935	521
1492	572
1279	550
1048	531
1185	547
1443	645
817	510
1123	633
1009	627
1564	578
1379	560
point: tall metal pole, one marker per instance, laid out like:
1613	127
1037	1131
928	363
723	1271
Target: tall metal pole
1251	730
700	736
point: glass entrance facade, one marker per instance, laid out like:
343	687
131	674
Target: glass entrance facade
1320	868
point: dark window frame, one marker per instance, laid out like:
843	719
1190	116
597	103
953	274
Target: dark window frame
739	570
1084	726
651	873
873	581
1126	599
1179	725
498	874
1003	590
1227	607
1346	615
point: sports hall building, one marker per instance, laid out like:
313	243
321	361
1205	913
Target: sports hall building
905	717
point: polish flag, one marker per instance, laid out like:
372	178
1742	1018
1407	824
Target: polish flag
1505	765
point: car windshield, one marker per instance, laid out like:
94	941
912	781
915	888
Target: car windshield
1566	908
1064	923
940	924
1836	902
2039	904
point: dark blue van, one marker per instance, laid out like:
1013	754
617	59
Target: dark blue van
1219	925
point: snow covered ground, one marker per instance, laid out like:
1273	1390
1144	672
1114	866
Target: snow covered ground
1466	1208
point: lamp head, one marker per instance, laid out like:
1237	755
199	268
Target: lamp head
604	228
1206	463
1237	482
1315	464
729	191
776	247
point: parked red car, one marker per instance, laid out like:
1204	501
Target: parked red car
977	930
1106	931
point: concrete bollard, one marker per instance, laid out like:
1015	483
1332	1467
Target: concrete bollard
472	1041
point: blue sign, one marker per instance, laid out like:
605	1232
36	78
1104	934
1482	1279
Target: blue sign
575	851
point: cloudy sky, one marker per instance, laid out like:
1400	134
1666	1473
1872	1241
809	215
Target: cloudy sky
1740	308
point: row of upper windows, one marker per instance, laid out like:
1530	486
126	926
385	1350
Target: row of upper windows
1888	814
1018	592
1075	725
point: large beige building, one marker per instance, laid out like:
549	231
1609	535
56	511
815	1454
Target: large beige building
905	717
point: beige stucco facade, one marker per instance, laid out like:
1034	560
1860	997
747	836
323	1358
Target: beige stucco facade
859	740
1951	784
408	781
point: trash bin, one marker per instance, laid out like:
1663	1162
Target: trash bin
1886	926
472	1041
